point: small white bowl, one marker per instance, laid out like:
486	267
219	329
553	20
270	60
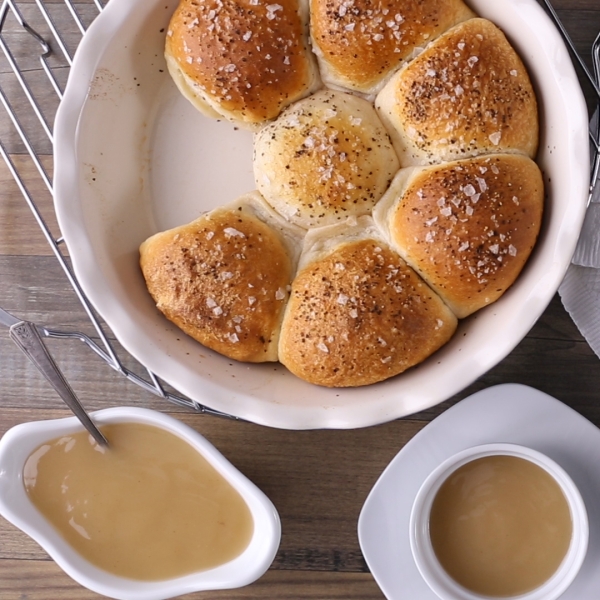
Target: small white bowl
18	443
433	572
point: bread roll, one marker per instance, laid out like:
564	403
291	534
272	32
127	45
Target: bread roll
224	278
466	227
242	60
468	93
360	43
327	157
357	313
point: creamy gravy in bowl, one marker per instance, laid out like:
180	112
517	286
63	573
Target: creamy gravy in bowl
500	526
148	507
498	521
161	492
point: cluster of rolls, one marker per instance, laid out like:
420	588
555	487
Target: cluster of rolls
396	186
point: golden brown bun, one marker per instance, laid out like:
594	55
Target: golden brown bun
327	157
243	60
468	93
360	43
466	227
224	278
357	313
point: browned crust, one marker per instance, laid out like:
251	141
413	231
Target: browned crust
467	94
247	59
469	227
224	280
360	315
361	41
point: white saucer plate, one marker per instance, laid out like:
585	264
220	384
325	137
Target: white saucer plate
133	157
508	413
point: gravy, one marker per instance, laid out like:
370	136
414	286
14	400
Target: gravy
500	526
149	508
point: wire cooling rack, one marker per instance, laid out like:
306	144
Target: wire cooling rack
41	34
34	35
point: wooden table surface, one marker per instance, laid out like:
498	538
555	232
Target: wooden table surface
318	480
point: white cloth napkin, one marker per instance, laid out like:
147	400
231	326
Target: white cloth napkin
580	289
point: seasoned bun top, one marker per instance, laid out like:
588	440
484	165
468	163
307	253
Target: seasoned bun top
468	93
357	314
359	43
243	60
467	227
324	159
224	278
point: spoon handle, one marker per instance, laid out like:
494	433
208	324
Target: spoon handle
26	337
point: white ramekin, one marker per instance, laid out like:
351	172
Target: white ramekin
430	568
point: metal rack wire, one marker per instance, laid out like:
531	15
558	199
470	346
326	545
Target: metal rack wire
30	38
21	41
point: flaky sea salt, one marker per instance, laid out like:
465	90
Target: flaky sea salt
495	138
323	347
232	232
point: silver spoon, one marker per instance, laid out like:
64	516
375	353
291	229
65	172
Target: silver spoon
26	336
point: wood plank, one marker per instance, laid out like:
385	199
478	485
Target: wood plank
19	232
43	580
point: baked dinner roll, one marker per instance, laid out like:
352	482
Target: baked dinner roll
468	93
360	43
242	60
357	313
224	278
325	158
466	227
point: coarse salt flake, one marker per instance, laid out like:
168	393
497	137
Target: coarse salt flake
495	138
323	347
469	190
272	9
232	232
